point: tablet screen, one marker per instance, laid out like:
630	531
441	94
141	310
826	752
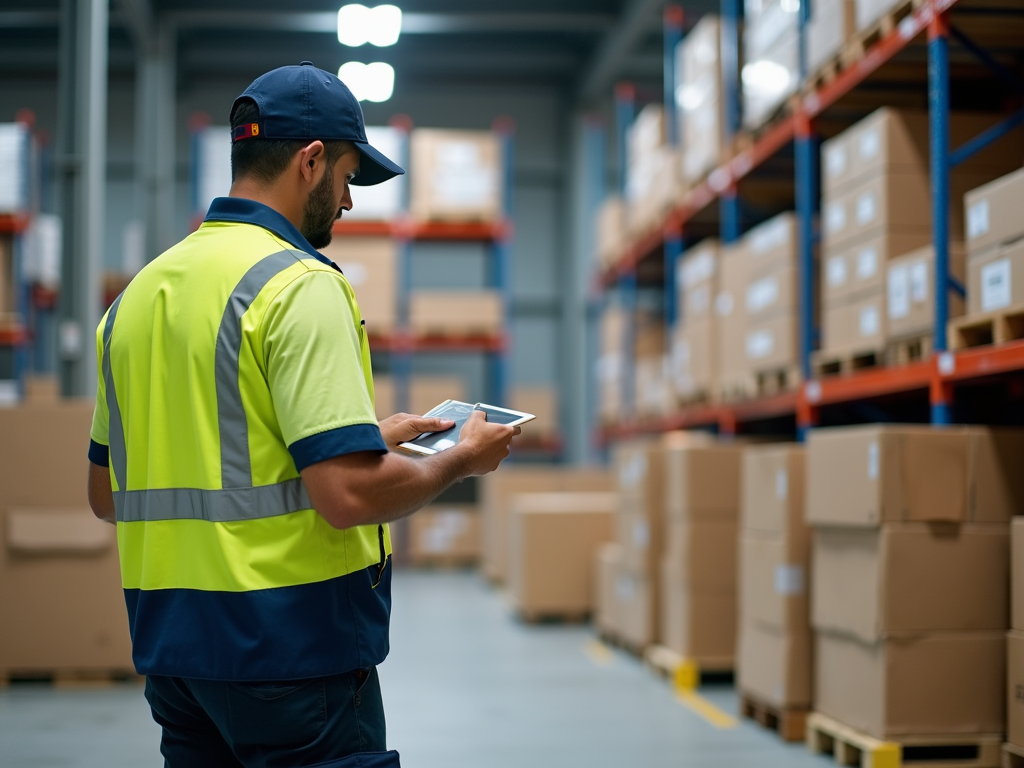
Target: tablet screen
498	416
439	441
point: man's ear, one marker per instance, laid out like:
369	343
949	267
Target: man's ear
313	162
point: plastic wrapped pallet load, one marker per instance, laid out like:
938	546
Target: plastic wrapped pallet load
699	99
771	54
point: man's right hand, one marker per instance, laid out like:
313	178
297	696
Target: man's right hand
485	445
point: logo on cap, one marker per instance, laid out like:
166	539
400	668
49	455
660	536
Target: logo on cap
247	131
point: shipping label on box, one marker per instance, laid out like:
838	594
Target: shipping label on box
910	295
772	344
910	578
772	489
859	267
995	279
771	246
774	580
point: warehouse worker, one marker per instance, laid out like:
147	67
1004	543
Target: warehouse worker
235	444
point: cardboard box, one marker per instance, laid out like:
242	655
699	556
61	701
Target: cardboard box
455	313
640	472
885	202
830	25
916	685
1017	575
770	44
371	266
772	490
891	140
611	231
774	580
445	533
702	480
873	474
698	282
610	365
705	553
772	344
636	603
652	388
910	291
773	294
499	488
428	392
995	279
855	325
693	365
699	624
772	245
775	665
993	213
384	397
607	561
1015	687
542	402
910	578
41	389
730	314
698	67
554	538
858	268
455	175
60	581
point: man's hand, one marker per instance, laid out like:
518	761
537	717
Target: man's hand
403	427
485	444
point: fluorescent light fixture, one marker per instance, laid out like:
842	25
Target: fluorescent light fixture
368	82
359	25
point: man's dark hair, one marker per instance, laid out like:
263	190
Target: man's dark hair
266	159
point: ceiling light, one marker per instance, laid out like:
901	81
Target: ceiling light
368	82
359	25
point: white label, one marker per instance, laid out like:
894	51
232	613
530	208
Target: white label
759	344
789	579
641	534
947	363
41	256
781	484
213	160
14	147
699	301
835	160
872	460
724	304
899	291
624	588
977	219
869	321
836	271
867	263
460	177
870	144
835	217
70	334
866	208
919	282
770	235
697	269
633	471
995	285
762	294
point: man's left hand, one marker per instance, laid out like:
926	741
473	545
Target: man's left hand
403	427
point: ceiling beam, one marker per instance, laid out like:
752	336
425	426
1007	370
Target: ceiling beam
638	19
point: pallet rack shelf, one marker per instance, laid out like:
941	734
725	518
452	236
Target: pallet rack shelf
922	35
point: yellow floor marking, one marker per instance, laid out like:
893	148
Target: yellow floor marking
598	652
705	709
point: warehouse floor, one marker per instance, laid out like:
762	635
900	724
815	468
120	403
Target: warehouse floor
465	686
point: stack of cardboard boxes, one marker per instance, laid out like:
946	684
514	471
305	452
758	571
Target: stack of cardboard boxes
699	101
498	491
611	232
910	577
652	389
456	312
1015	642
774	655
442	534
876	206
553	539
771	52
60	581
995	245
610	364
697	583
830	25
456	175
652	171
693	357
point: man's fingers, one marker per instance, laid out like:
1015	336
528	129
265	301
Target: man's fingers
516	431
432	425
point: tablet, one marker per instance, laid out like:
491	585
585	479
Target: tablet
430	443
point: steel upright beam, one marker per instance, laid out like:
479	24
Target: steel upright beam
673	250
938	116
806	167
83	161
729	205
625	111
502	261
673	35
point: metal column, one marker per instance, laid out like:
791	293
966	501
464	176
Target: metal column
625	110
806	183
501	250
82	163
673	241
938	115
730	223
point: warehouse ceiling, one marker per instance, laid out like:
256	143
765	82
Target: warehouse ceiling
583	46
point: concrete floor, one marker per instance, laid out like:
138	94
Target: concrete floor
465	686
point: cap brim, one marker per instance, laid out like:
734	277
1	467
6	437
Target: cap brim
374	167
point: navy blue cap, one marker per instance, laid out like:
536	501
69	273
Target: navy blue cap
306	103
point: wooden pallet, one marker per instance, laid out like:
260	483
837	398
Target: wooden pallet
851	747
69	678
686	673
911	349
1013	756
862	42
775	381
981	330
825	364
553	617
789	722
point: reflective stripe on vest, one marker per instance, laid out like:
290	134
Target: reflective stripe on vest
238	499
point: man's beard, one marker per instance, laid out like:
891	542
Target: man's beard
319	215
